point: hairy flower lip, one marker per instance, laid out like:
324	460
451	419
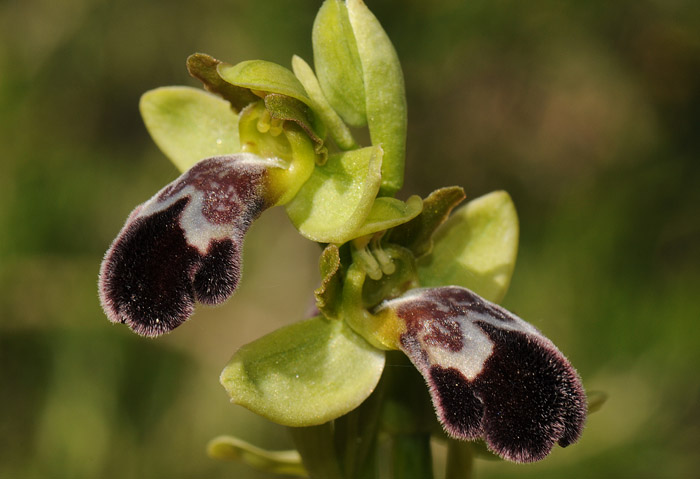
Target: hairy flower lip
490	373
184	244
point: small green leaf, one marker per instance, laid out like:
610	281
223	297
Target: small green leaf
304	374
338	197
329	294
476	248
389	212
275	462
338	130
265	77
417	234
189	125
385	102
203	67
337	62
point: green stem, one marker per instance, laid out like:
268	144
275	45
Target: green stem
411	456
460	460
356	437
315	445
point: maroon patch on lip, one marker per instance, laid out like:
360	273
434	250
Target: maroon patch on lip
442	330
232	189
438	311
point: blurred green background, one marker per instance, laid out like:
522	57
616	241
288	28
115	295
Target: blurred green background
586	112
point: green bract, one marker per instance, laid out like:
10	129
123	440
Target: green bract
385	105
338	130
275	462
476	248
304	374
360	74
188	124
337	62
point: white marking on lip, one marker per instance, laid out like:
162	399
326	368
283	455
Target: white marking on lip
477	346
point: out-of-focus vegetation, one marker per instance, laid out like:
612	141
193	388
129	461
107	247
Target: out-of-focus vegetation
588	113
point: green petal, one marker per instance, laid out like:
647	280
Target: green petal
204	68
338	197
338	130
385	101
476	248
262	76
304	374
283	107
189	125
337	62
389	212
417	234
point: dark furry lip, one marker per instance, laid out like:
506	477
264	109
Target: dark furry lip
183	245
491	375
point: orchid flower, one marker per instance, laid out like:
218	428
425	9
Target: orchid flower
396	275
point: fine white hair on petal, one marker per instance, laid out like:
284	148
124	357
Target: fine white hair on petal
183	244
490	373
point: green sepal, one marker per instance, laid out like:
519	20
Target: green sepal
338	197
389	212
189	124
337	62
283	107
204	68
304	374
330	294
476	248
417	234
274	462
336	127
385	102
